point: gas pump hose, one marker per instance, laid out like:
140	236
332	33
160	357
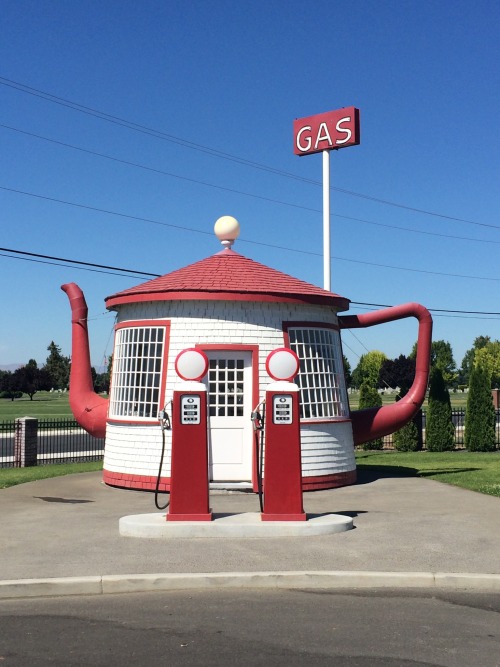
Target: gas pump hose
164	425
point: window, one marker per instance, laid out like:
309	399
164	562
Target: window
321	376
225	387
137	372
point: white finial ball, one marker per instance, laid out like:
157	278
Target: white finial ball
226	229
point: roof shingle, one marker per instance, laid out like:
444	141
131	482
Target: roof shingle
228	275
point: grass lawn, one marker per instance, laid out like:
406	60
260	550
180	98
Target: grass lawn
13	476
45	405
476	471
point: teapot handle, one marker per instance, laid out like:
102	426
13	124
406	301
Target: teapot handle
374	423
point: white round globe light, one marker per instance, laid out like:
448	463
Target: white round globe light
282	364
191	364
227	229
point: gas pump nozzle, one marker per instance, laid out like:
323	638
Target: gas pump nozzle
257	421
164	418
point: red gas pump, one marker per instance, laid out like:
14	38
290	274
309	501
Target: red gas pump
189	465
282	464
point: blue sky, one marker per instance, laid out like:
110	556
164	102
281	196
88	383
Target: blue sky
231	77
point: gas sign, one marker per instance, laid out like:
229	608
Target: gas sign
326	131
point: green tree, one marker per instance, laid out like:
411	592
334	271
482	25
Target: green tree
440	430
347	371
397	373
489	358
368	368
480	417
7	388
370	398
468	360
29	379
57	366
442	358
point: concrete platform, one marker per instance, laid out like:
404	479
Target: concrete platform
248	524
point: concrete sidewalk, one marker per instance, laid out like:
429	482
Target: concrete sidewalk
407	530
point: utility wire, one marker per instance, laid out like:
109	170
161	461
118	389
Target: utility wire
161	172
260	243
240	192
41	261
36	257
75	106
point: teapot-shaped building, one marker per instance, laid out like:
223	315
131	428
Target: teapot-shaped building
236	311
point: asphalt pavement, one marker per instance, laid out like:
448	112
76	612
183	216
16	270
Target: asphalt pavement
61	536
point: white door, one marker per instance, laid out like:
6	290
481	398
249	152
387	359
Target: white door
229	385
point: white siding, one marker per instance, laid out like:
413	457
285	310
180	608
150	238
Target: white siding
327	448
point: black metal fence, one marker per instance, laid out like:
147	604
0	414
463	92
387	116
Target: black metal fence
64	441
458	418
58	441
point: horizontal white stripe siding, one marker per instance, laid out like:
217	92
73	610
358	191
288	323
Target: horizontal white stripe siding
326	448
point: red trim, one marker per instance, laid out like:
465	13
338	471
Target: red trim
115	421
310	421
126	324
332	481
125	480
318	299
254	349
305	325
310	325
165	324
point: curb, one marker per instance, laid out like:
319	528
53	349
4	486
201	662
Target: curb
332	580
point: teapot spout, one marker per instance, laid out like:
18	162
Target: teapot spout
374	423
89	409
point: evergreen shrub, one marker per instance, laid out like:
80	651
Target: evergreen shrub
480	416
439	430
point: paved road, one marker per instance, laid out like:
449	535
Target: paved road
253	628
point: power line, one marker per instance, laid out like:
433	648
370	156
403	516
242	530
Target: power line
75	106
261	243
74	261
81	268
90	266
240	192
160	171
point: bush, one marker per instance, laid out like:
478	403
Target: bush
440	431
480	416
11	394
370	398
407	439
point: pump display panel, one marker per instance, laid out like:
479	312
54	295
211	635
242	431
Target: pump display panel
282	409
190	409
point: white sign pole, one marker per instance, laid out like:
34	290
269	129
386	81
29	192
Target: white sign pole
326	221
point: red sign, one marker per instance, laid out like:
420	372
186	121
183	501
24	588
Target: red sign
326	131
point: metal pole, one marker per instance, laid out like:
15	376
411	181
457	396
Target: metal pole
326	221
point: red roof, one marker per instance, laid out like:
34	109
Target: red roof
228	276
